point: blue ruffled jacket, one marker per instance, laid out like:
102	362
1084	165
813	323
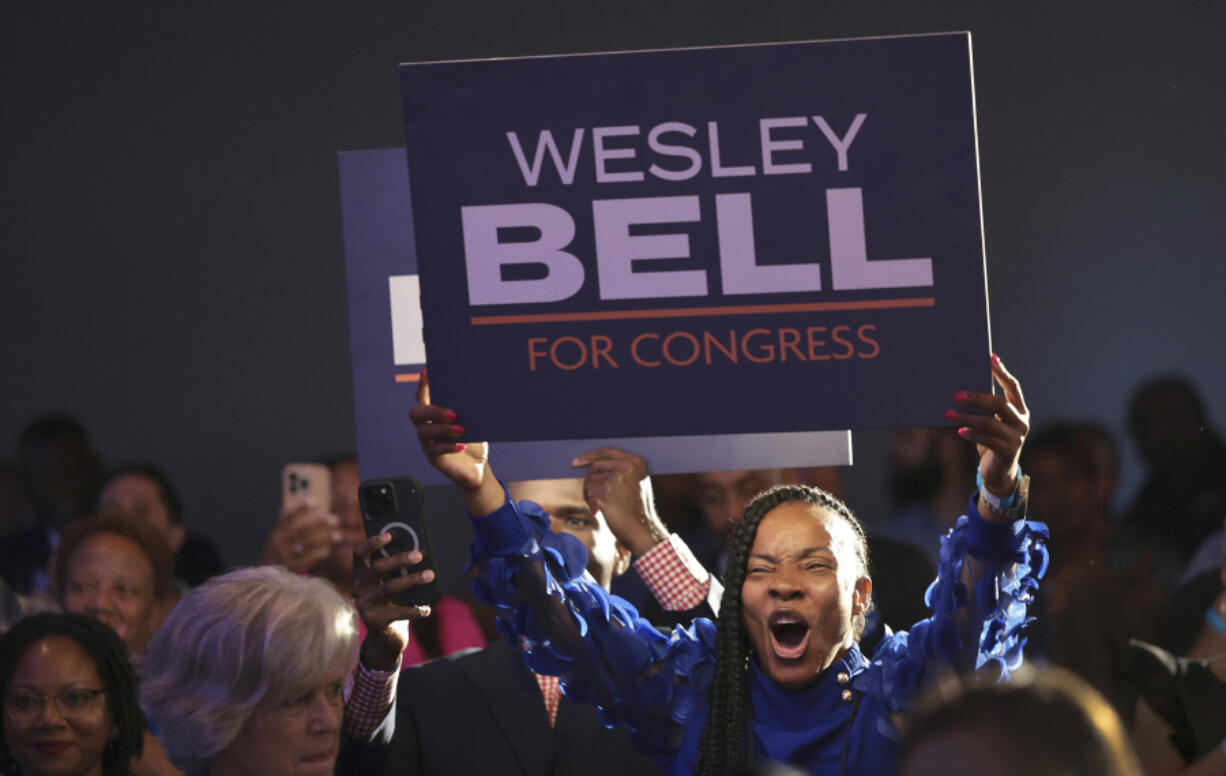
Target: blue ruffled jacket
655	685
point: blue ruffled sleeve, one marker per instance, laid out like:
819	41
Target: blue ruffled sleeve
969	628
571	627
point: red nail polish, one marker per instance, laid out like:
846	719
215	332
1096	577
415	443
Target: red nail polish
950	414
964	431
457	430
450	416
460	447
960	396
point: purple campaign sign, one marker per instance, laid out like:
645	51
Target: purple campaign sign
748	239
388	354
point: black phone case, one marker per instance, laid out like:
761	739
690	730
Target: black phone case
409	529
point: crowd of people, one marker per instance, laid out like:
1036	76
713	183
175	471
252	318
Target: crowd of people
1003	618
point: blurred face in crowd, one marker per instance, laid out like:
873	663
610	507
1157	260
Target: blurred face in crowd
55	720
1061	492
139	496
569	513
60	477
300	737
723	496
803	586
110	578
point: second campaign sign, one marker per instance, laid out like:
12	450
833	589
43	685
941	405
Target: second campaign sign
739	239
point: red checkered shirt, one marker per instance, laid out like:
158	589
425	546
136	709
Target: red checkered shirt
670	571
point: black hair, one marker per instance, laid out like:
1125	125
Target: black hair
110	656
48	427
1063	439
166	492
723	746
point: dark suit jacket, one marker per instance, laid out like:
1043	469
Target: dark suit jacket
481	712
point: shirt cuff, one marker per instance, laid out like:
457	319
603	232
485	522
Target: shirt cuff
988	540
503	531
372	696
673	575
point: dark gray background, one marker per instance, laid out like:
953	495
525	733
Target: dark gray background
172	266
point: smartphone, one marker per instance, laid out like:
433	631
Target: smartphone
302	482
397	506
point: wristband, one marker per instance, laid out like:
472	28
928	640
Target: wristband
995	502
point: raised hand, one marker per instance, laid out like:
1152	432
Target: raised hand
463	464
999	433
375	587
302	537
617	486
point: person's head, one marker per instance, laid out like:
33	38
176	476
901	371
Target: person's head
1166	419
722	496
1100	443
145	492
797	591
70	699
1062	486
118	569
60	472
1040	721
250	669
569	513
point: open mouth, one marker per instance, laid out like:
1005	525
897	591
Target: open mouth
789	635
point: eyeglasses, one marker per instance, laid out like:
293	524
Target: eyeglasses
71	704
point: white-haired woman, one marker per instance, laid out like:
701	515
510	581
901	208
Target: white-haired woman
247	675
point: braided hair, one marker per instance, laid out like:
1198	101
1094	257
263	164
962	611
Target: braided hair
723	745
110	657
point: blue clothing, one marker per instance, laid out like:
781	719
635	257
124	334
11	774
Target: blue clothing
657	685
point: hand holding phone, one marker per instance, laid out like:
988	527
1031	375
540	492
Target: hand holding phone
305	531
394	579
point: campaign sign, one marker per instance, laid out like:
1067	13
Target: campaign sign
387	353
734	239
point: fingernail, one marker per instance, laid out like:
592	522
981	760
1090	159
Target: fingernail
960	396
461	447
450	416
996	359
414	557
964	431
427	575
950	414
574	461
424	611
457	430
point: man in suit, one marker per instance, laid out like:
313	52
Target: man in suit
484	711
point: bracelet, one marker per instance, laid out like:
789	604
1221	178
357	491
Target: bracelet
995	502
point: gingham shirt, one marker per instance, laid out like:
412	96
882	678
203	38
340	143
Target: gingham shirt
671	572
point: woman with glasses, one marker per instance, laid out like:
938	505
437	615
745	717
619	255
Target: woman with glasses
70	699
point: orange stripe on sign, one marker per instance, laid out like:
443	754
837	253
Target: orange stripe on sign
408	378
694	312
